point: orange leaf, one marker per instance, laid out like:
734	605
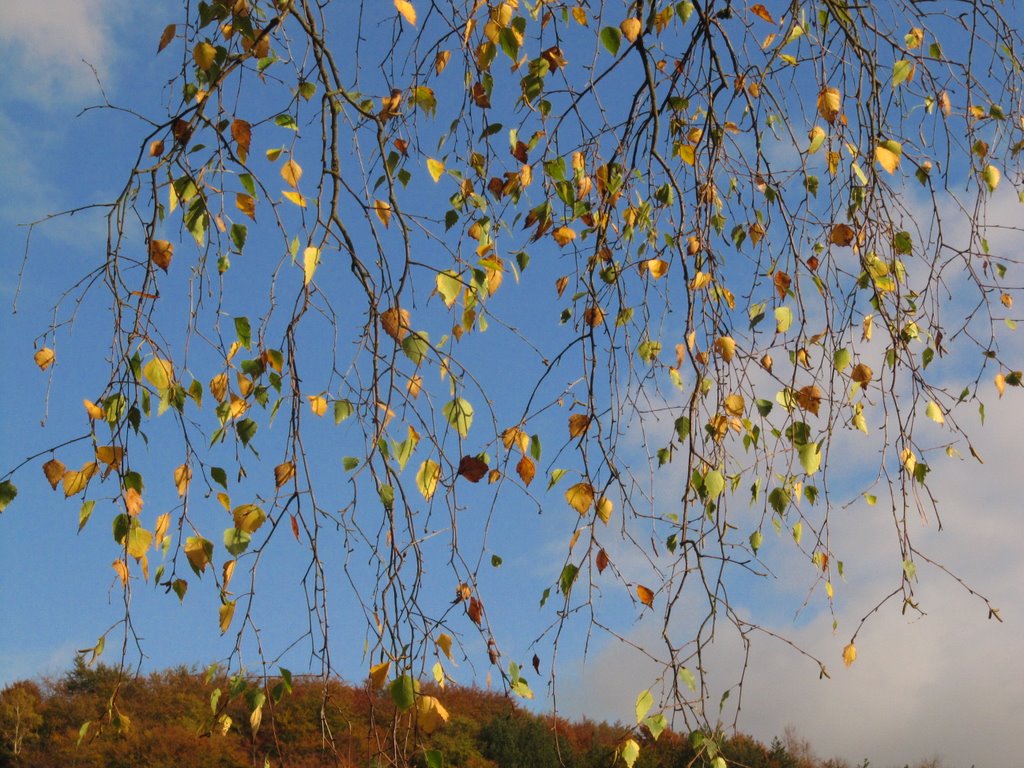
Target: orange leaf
110	455
475	610
601	561
761	12
526	469
241	132
404	7
809	398
93	410
160	253
133	502
295	526
395	322
564	235
578	424
645	595
44	358
283	473
166	36
246	204
121	570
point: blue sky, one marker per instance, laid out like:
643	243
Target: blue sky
943	684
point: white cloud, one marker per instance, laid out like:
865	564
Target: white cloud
48	45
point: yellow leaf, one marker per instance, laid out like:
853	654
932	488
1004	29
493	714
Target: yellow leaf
580	497
700	280
76	482
383	211
121	569
237	408
431	714
110	455
725	347
444	642
817	137
159	373
204	55
687	153
219	387
294	197
414	386
909	460
160	253
197	550
435	168
735	405
646	596
842	235
657	267
578	424
283	473
227	571
404	7
849	654
887	155
564	235
427	477
225	500
317	404
92	410
441	61
163	522
866	325
291	172
246	204
991	176
248	517
1000	382
935	413
54	470
829	103
310	261
225	614
44	358
379	675
604	509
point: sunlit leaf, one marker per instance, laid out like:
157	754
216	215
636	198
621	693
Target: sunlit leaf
725	347
644	702
291	172
888	154
991	176
580	497
448	286
310	261
204	55
427	477
849	654
604	508
829	104
934	412
199	552
405	8
54	470
459	414
631	28
166	37
160	253
225	614
294	197
646	595
44	358
283	473
76	482
630	751
435	168
379	675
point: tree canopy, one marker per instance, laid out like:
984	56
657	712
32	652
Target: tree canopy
625	299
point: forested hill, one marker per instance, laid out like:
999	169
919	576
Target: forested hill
182	717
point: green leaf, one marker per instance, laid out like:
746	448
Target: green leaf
630	750
656	724
841	358
901	70
756	539
342	410
246	429
219	476
349	463
416	346
286	121
644	702
85	513
403	692
459	414
567	577
714	484
433	758
7	494
810	457
243	331
236	541
611	38
448	286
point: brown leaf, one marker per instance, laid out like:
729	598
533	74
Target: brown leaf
241	132
554	57
480	97
601	561
526	469
181	130
472	468
782	282
295	526
156	148
395	323
578	424
861	374
560	285
646	596
475	610
160	253
536	663
809	398
54	470
521	152
842	235
283	473
166	36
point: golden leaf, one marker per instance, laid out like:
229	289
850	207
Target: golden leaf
604	509
578	424
237	408
379	675
526	469
160	253
887	155
404	7
76	482
861	374
246	204
110	455
227	571
225	614
283	473
849	654
657	267
735	405
310	261
44	358
132	502
564	235
166	36
631	28
204	55
317	404
646	596
248	517
163	523
291	172
580	497
829	103
444	642
197	550
121	569
414	386
841	235
383	211
219	387
92	410
593	315
156	148
431	714
294	197
762	12
991	176
1000	382
725	347
809	398
54	470
435	168
441	61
